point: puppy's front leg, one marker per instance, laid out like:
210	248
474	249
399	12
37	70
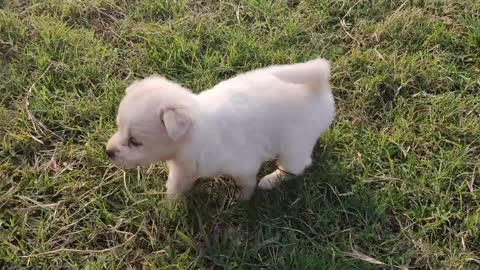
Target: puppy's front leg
181	177
247	184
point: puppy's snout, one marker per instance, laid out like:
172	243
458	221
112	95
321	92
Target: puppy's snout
110	153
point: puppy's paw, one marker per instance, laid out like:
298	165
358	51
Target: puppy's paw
268	182
245	193
274	179
172	200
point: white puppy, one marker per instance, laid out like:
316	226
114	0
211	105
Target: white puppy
279	111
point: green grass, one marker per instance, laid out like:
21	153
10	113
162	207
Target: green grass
395	182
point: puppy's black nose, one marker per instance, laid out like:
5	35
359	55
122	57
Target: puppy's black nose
110	153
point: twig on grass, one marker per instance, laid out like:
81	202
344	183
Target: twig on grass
38	126
79	251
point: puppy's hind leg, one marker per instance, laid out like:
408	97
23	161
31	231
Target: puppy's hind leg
289	166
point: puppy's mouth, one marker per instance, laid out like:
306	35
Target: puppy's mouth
124	165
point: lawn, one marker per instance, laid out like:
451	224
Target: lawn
395	183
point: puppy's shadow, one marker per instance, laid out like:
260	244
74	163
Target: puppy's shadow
320	202
218	195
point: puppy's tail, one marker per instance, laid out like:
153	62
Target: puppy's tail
314	73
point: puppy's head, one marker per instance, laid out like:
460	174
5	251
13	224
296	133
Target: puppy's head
153	121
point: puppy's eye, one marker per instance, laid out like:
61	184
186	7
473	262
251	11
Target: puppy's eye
161	119
133	142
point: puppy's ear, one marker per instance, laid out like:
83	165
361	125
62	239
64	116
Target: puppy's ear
132	86
152	82
176	123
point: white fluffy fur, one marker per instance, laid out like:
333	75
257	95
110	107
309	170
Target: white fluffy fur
231	129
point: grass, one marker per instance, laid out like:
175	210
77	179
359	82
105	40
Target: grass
395	183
